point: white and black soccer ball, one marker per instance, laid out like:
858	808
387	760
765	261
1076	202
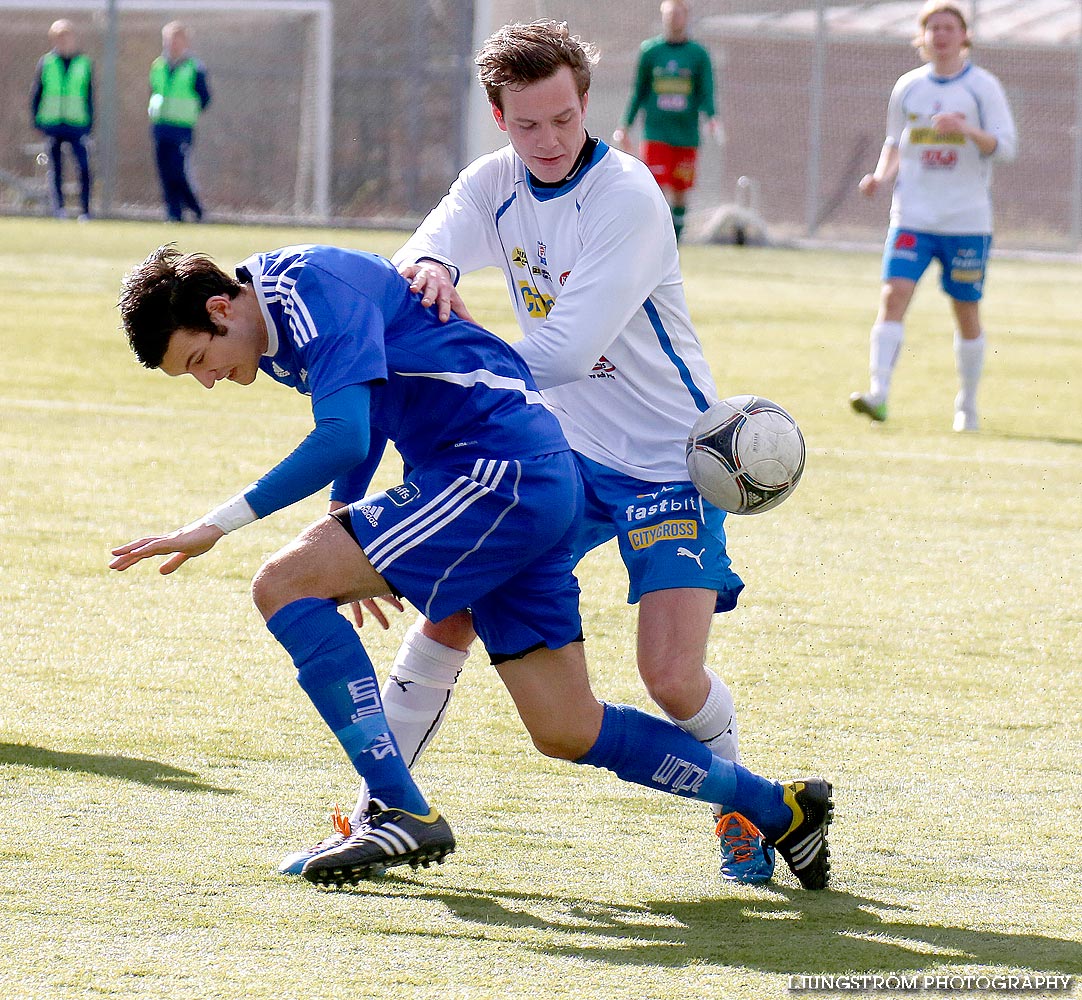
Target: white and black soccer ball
745	454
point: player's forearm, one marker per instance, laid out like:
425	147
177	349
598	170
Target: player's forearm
550	363
331	449
336	446
353	484
984	141
886	169
1000	143
235	513
584	322
608	285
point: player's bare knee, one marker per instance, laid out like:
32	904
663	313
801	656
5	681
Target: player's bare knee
894	301
676	691
670	697
275	585
661	681
264	588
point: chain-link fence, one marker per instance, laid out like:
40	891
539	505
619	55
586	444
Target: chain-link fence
802	89
399	79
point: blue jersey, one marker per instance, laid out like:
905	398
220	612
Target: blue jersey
339	317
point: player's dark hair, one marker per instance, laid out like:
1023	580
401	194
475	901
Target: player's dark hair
520	54
166	293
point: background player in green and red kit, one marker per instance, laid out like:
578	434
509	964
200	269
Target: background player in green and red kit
947	122
483	519
583	236
674	85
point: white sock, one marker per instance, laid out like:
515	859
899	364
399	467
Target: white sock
714	724
884	347
969	360
417	694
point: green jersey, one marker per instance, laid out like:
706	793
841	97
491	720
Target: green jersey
674	84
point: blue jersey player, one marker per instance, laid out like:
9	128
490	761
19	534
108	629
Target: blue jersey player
482	520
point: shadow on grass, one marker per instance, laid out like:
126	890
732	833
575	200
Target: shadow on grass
790	932
146	772
1044	438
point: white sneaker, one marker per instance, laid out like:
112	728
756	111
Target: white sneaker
966	420
965	415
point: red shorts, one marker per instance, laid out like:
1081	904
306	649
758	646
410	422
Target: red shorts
672	166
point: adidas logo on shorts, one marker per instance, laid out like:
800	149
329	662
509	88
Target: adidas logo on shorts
371	514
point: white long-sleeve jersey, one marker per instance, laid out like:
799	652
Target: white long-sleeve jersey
944	181
593	270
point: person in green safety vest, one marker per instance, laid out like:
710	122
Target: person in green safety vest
178	96
62	109
674	85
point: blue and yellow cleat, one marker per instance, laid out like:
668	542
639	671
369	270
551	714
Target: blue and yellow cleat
745	856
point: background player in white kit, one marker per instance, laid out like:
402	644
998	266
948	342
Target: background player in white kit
585	239
946	123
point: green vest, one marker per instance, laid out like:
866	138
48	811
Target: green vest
173	98
64	93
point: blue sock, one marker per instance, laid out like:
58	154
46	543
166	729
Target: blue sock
650	751
336	673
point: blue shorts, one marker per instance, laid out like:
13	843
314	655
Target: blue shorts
668	536
963	260
492	536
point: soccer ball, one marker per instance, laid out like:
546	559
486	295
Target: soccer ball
745	454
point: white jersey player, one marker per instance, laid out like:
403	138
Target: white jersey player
947	122
944	180
585	240
593	271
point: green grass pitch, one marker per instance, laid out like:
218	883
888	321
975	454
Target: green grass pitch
911	628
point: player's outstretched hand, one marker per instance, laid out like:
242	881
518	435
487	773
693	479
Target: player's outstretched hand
181	545
433	281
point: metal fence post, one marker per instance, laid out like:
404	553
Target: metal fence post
1076	173
107	132
815	115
